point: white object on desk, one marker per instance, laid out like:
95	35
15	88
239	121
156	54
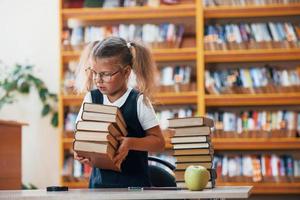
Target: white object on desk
221	192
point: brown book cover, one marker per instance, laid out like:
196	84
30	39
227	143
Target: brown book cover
191	139
93	136
190	121
205	151
99	126
192	131
108	109
194	158
100	154
183	166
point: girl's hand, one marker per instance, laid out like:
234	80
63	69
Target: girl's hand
122	150
81	159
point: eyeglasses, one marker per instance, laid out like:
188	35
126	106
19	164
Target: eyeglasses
104	76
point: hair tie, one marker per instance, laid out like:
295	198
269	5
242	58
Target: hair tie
129	45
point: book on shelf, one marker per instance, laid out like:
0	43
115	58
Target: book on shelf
100	154
190	121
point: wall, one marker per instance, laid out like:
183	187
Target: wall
29	33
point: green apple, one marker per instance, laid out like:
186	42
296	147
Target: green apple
196	177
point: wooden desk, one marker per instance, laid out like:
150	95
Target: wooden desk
221	192
10	155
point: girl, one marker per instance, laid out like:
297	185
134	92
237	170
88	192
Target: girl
107	65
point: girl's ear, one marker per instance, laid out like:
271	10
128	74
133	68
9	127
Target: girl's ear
127	71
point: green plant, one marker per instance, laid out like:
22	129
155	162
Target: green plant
20	79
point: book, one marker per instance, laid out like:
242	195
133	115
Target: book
191	146
96	137
194	158
100	154
204	151
104	117
100	108
99	126
192	131
193	139
190	121
183	166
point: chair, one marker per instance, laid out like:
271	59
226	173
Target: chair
159	176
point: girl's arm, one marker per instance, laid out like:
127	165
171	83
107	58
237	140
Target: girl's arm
153	142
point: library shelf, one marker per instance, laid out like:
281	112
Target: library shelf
256	143
252	55
252	99
166	98
134	13
171	54
271	10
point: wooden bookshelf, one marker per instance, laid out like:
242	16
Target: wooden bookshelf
134	13
256	143
169	98
158	54
252	99
251	55
252	11
195	11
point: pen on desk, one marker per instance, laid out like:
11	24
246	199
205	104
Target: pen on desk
135	188
152	188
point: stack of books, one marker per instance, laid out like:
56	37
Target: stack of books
96	135
192	146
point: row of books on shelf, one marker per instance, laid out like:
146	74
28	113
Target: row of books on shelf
73	170
278	123
267	79
116	3
257	168
165	35
172	78
214	3
252	36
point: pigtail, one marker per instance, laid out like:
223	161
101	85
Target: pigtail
145	69
83	80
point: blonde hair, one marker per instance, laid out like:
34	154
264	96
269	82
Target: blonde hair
134	54
83	80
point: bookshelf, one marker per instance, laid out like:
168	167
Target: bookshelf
189	11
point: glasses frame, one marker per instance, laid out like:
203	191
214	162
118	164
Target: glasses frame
102	75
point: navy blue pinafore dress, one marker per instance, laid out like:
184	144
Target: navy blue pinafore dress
135	167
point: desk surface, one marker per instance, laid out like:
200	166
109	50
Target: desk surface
98	194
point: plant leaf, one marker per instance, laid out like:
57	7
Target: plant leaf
43	92
54	120
46	110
